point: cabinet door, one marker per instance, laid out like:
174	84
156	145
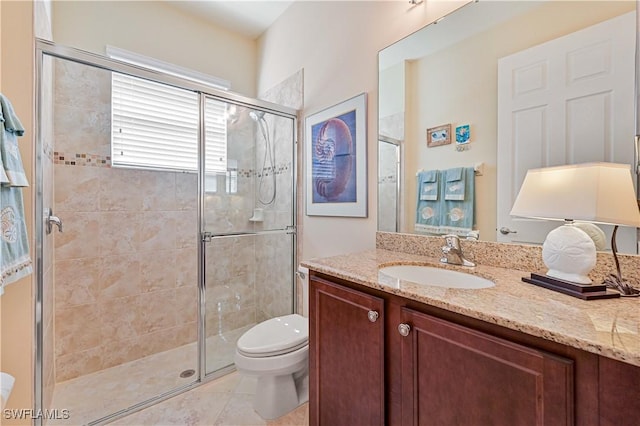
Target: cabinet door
619	393
346	357
453	375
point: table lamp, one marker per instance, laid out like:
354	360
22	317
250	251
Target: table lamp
593	192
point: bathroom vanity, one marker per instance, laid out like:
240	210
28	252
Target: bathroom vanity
387	351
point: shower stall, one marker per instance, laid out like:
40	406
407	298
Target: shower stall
165	228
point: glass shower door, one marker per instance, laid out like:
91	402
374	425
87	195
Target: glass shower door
178	211
247	223
120	283
388	185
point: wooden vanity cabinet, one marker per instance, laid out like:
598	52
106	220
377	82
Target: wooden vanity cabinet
449	369
346	362
454	375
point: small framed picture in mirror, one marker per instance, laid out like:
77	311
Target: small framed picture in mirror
463	135
440	135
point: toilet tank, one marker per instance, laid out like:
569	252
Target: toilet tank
303	277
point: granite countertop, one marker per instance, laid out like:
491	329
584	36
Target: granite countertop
608	327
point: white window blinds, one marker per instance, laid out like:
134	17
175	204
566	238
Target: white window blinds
215	128
156	126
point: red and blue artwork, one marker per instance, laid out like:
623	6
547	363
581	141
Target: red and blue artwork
333	165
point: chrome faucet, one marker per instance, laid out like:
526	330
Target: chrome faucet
452	252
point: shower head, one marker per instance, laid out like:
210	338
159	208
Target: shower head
256	115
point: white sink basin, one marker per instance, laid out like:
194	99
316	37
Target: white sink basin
437	277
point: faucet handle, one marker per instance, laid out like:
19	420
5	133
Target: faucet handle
452	241
445	252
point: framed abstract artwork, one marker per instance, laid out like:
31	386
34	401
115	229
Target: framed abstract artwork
335	160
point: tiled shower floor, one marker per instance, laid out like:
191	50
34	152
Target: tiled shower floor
225	401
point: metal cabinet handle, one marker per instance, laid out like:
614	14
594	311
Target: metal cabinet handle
373	316
404	329
504	231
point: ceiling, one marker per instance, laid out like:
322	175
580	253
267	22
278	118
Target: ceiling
247	17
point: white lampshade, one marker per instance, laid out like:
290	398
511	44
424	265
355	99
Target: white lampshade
593	192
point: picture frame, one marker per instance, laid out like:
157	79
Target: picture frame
336	159
463	134
438	136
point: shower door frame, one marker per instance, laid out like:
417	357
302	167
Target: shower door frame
399	153
56	51
208	237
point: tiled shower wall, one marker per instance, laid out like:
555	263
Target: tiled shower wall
274	254
229	262
248	277
126	263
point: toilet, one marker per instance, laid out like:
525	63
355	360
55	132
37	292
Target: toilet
277	352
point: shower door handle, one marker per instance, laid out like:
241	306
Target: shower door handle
51	220
207	237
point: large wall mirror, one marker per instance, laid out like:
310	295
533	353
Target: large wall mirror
539	83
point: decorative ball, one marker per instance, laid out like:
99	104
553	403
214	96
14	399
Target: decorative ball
570	254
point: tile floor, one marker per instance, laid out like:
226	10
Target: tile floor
225	401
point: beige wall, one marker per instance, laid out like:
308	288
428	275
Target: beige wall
336	43
16	353
158	30
391	89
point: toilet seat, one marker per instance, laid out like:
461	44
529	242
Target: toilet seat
275	336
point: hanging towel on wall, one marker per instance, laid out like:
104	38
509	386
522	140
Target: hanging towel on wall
428	182
15	261
454	184
428	205
458	215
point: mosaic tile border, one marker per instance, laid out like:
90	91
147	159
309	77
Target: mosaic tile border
279	170
90	160
94	160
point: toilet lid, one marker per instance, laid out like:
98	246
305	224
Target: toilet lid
275	336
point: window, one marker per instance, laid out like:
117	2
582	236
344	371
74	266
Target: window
215	136
156	126
153	125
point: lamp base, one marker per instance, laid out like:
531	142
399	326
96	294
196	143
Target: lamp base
569	253
581	291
